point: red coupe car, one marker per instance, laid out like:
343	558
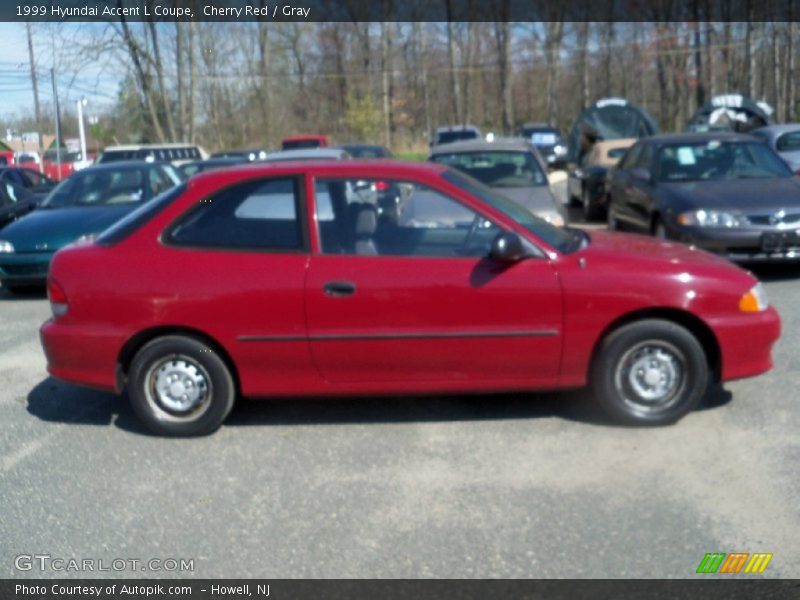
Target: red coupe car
286	280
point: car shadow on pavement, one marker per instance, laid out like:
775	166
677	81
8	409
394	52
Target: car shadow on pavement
775	272
58	402
28	293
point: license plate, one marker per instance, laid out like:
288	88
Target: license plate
776	241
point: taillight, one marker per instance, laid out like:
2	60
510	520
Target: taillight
57	297
381	186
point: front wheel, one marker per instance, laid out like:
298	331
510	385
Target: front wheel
650	372
179	386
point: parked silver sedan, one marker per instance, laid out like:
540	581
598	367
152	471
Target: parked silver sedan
785	140
511	166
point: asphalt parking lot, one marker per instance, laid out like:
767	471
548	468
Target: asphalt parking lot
482	486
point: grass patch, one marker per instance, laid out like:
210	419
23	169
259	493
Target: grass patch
413	156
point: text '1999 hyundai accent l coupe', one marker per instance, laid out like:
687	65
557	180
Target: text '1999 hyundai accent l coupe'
285	280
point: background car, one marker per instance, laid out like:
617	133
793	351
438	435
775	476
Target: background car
15	202
85	204
307	154
186	170
728	193
366	150
33	181
176	154
548	141
586	183
455	133
512	167
248	154
309	140
471	293
785	140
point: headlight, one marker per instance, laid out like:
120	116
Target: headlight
6	247
754	300
554	218
560	150
711	218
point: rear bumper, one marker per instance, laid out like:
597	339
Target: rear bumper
25	268
746	343
83	356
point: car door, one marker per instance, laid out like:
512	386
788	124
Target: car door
638	191
412	297
620	183
239	259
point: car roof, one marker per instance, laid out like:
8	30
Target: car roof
380	168
778	129
148	146
479	145
306	154
696	138
121	165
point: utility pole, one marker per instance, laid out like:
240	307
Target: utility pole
58	123
36	108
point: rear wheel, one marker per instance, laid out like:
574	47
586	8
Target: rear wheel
650	372
180	387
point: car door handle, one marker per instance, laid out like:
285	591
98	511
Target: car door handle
339	288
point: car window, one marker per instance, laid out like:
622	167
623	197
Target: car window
788	142
631	157
645	158
159	182
33	179
373	217
260	214
498	169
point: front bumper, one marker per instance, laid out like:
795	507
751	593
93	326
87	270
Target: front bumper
746	343
25	268
742	244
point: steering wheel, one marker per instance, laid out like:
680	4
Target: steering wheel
473	229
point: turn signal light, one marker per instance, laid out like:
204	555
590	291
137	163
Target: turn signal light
754	300
57	297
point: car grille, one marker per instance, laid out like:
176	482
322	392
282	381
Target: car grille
775	219
35	270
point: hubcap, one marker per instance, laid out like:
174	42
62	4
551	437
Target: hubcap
651	376
178	388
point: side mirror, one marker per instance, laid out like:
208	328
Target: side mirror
641	174
507	247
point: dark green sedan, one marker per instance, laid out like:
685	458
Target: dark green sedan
87	203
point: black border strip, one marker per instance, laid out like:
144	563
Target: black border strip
405	10
323	337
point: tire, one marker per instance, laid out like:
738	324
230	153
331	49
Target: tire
200	396
633	357
590	210
611	219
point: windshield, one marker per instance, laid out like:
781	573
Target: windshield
99	187
719	160
562	239
497	169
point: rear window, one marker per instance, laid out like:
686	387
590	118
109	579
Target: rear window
134	220
788	142
447	137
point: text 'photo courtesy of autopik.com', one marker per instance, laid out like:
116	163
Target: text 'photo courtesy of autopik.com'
430	299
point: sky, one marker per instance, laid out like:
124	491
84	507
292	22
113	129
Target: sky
16	91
